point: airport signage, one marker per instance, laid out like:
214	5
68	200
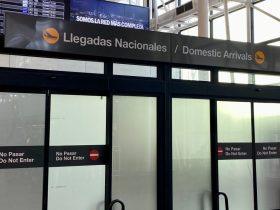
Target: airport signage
228	151
225	54
233	151
21	156
35	33
26	32
77	155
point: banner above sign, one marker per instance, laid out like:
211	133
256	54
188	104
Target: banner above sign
31	33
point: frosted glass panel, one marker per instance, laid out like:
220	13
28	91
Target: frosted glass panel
22	123
78	120
134	152
191	154
235	176
21	189
268	183
74	188
267	122
234	121
134	70
236	180
267	126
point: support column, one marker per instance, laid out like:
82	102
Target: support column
203	17
227	19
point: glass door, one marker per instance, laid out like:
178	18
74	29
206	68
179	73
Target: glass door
22	128
77	152
249	152
235	165
134	144
267	135
191	154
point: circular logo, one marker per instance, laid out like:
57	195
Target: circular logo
94	155
50	35
259	57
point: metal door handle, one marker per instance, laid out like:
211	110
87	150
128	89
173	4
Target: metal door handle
114	202
226	199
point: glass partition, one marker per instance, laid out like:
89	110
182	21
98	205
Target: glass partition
267	126
135	152
235	148
78	124
191	154
22	128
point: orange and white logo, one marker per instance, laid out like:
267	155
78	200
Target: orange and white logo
50	35
259	57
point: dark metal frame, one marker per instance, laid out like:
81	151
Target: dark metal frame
163	88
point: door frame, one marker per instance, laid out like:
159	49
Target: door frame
163	87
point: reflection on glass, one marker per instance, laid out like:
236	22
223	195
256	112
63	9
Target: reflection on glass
134	152
22	123
234	121
77	120
191	154
134	70
190	74
267	126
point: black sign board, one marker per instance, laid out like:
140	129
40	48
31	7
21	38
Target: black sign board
77	155
229	151
36	33
25	32
227	54
21	157
267	150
